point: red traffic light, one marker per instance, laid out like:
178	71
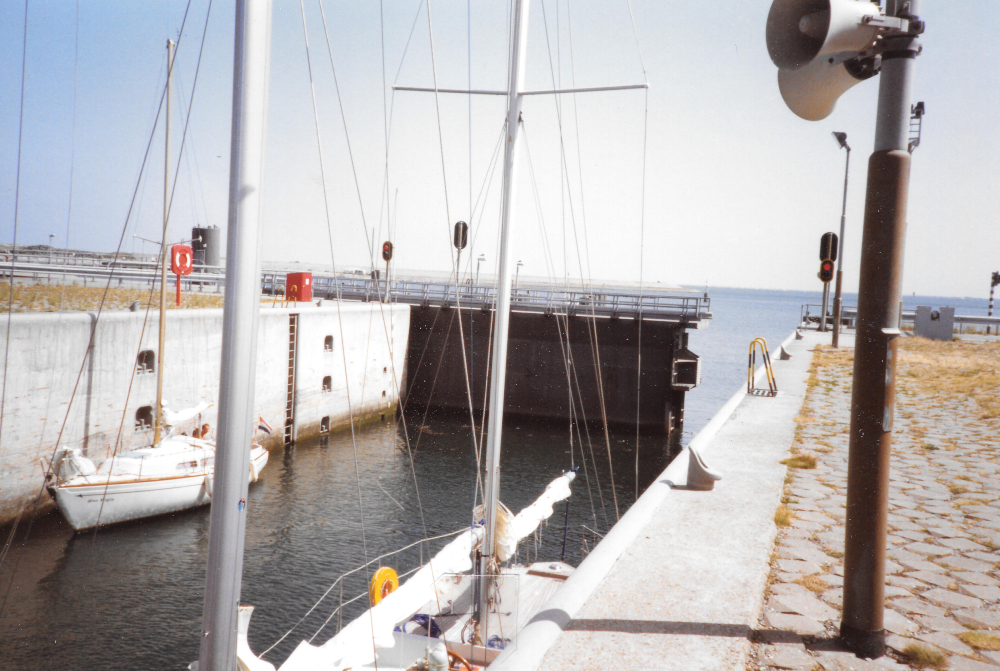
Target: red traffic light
826	270
387	251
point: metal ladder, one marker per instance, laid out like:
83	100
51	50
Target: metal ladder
772	385
293	324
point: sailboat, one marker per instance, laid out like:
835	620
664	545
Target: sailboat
173	473
463	607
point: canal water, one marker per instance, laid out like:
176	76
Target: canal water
130	596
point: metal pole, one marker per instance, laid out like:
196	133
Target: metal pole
498	374
239	336
873	397
989	313
158	426
837	298
826	298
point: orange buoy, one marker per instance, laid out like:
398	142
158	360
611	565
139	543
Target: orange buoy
384	582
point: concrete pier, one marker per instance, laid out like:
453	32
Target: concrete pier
678	583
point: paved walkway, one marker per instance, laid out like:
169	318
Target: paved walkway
943	591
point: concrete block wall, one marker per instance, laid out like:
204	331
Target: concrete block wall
46	352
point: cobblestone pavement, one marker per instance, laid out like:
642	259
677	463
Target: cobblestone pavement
943	569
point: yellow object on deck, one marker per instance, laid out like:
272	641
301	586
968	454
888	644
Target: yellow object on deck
384	582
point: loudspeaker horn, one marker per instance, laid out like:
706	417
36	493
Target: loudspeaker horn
812	92
798	31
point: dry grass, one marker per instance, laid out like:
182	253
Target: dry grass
783	516
800	461
54	298
813	583
981	640
925	657
953	371
958	489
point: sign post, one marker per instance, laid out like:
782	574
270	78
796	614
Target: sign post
181	263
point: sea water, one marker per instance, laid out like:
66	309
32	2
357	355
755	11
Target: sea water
130	596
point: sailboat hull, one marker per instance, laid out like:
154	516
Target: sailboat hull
89	505
86	506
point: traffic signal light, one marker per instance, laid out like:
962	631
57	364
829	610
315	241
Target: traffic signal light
828	247
387	251
826	270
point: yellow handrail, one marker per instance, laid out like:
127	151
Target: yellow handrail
751	365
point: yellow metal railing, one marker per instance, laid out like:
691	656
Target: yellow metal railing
772	389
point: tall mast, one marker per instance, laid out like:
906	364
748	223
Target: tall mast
498	376
163	248
239	336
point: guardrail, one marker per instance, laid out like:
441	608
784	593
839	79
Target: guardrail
605	302
809	316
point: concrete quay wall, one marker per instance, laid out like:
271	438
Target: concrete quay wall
46	352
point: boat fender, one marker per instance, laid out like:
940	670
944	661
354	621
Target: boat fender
497	643
437	657
425	621
384	582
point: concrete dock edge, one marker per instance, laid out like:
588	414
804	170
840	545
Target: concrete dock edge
600	587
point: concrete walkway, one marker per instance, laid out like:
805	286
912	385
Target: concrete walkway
679	582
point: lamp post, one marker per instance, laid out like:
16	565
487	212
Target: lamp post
51	235
479	259
516	273
837	300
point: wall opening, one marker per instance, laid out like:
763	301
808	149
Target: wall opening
328	344
324	424
144	418
145	362
327	383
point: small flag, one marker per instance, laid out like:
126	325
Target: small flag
263	426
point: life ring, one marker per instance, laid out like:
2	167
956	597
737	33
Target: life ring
384	582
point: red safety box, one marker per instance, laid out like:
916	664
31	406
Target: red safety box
299	287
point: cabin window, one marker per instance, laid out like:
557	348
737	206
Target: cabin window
324	424
383	393
144	418
145	362
328	344
327	383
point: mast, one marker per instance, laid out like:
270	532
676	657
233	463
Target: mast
239	336
163	248
498	376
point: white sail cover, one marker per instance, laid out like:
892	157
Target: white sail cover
352	647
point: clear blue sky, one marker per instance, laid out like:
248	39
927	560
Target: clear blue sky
738	189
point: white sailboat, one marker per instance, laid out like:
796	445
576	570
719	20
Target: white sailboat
173	473
463	607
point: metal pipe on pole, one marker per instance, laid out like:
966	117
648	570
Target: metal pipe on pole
519	43
158	421
239	336
873	397
837	298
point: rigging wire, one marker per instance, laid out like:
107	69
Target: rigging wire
97	318
329	227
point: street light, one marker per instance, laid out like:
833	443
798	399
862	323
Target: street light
841	139
517	272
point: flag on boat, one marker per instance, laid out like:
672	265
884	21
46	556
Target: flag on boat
263	426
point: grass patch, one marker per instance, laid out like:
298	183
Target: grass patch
813	583
958	489
783	516
954	370
800	461
836	554
924	657
981	640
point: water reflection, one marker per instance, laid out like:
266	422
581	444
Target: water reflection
130	596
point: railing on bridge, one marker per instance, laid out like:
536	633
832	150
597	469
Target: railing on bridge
809	316
607	302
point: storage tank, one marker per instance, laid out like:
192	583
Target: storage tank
207	250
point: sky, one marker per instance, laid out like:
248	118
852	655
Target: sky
736	190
